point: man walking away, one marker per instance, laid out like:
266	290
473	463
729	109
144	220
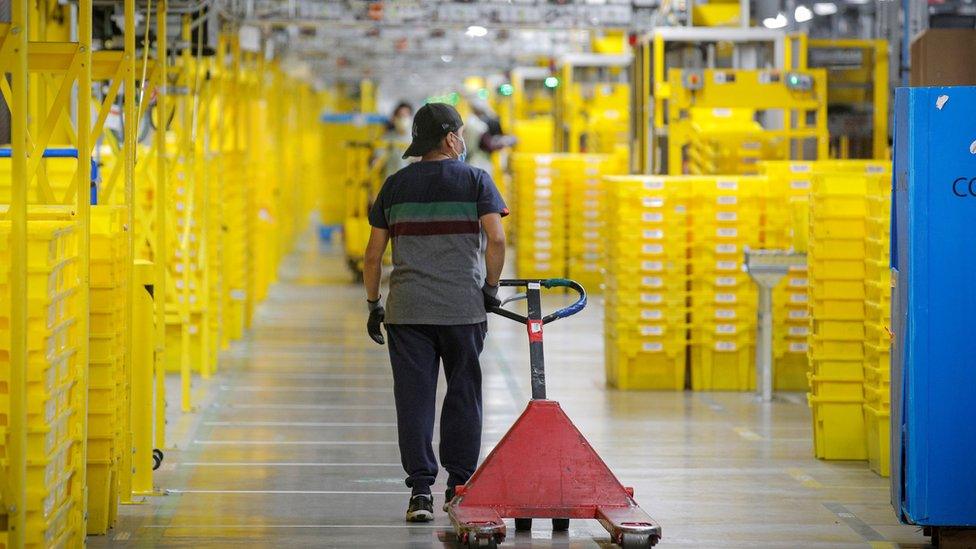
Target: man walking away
444	219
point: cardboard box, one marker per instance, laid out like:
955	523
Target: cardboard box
944	57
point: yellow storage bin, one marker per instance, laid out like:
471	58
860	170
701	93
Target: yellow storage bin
790	372
646	367
99	480
49	530
878	424
723	366
842	228
849	330
837	368
839	309
836	249
835	388
838	428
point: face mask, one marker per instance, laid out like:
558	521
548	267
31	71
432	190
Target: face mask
402	125
464	149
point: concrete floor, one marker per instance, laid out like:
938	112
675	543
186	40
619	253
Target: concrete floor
293	444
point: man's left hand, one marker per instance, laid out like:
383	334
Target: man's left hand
490	293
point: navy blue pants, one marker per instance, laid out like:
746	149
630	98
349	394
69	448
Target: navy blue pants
415	353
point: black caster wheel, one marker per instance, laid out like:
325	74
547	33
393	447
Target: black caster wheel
636	541
157	458
523	524
475	543
560	524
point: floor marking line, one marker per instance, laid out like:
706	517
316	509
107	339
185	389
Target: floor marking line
291	492
269	406
295	424
803	478
859	526
747	434
304	389
280	464
285	526
299	442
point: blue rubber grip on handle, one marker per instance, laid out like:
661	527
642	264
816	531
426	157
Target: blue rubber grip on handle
566	283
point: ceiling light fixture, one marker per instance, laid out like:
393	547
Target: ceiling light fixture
447	58
802	14
824	8
777	22
476	31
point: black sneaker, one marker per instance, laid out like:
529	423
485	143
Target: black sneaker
421	508
448	497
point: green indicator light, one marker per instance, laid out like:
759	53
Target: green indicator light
551	82
483	93
505	89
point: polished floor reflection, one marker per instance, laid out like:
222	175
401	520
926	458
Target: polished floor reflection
293	444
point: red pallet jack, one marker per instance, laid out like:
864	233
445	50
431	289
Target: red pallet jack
544	467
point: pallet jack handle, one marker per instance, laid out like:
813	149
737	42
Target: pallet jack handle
534	320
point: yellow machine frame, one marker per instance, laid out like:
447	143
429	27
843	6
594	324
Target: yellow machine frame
759	90
570	118
861	86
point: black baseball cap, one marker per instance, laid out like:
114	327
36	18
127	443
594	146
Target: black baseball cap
431	123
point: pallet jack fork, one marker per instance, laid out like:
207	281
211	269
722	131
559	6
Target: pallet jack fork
544	467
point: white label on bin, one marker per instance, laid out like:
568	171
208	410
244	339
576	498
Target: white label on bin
725	298
726	216
727	184
799	313
798	347
798	298
543	193
653	249
725	346
653	217
543	234
800	184
542	266
652	330
726	281
721	112
542	256
238	295
543	223
800	168
592	224
651	298
725	314
652	281
652	347
592	171
542	245
726	265
799	330
591	235
652	202
591	214
653	234
875	169
798	282
725	328
652	266
591	203
651	314
654	184
727	200
727	233
543	181
543	213
726	248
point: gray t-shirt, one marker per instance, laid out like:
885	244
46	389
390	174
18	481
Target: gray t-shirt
432	210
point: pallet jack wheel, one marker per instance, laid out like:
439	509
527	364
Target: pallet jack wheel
157	458
475	542
560	524
523	524
636	541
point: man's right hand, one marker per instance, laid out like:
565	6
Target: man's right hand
376	316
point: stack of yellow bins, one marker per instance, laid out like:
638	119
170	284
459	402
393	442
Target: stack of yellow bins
646	283
54	403
836	261
107	390
789	183
877	324
586	234
237	236
540	216
725	213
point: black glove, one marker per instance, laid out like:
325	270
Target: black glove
490	293
376	316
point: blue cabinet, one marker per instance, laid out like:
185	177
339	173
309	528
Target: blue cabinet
933	420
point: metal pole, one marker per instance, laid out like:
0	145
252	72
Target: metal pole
83	200
185	169
142	381
17	456
160	258
129	128
764	351
536	356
